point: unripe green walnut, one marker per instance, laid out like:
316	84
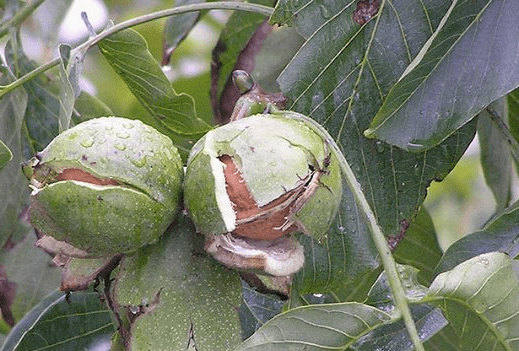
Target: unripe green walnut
108	185
251	183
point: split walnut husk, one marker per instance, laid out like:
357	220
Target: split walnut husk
106	186
252	185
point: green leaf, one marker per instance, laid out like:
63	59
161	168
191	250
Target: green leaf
42	114
419	248
13	184
32	272
87	107
501	234
277	50
55	324
429	320
495	155
343	86
177	28
480	298
257	309
344	256
5	155
179	296
67	98
127	52
445	339
450	81
316	327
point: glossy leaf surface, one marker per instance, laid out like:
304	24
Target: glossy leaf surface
56	325
450	80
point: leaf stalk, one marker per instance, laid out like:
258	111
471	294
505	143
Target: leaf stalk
218	5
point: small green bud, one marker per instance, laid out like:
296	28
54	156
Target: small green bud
108	185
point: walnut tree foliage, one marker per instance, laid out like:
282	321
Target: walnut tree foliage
401	86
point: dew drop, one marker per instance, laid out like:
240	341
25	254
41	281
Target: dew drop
87	142
445	151
325	11
120	147
484	261
480	306
140	162
72	136
127	125
122	135
414	147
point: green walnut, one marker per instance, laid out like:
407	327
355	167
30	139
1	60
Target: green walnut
108	185
253	183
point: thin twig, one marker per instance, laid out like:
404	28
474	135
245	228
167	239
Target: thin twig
218	5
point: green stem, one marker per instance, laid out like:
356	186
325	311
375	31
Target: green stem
19	16
218	5
505	132
386	257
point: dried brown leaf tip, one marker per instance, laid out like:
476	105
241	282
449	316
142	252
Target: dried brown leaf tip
366	9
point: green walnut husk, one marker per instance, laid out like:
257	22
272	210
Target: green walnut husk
284	168
108	185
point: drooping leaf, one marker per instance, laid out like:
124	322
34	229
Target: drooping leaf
175	114
67	96
56	324
177	28
42	114
480	298
179	296
32	272
501	234
429	320
257	309
316	327
5	155
495	154
419	247
394	336
344	85
13	184
450	80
